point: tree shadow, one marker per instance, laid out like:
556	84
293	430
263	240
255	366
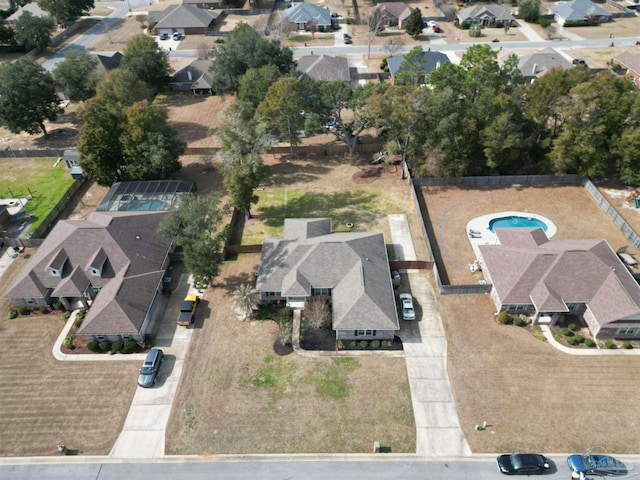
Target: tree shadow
190	132
342	207
290	172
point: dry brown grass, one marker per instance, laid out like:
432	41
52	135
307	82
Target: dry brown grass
227	413
46	402
533	397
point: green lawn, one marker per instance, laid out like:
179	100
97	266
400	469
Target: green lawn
355	206
36	178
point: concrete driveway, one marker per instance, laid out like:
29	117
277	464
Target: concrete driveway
438	431
143	433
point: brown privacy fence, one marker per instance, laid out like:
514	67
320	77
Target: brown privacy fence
231	249
58	208
331	149
410	265
26	153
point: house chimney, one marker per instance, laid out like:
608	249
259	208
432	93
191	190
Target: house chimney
535	68
189	75
438	64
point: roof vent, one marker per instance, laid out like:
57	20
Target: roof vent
137	237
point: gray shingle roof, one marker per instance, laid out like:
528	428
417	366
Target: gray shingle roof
498	12
306	12
353	264
134	254
200	75
431	61
325	67
579	10
539	63
182	16
552	273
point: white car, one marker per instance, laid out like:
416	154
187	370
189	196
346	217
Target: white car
408	312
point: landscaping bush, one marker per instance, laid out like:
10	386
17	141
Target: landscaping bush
66	315
12	314
353	344
68	342
572	340
518	322
544	22
148	343
503	318
23	310
364	344
117	346
609	344
589	343
573	327
57	304
129	346
105	345
43	310
578	338
81	314
566	332
77	323
375	344
93	346
627	345
388	343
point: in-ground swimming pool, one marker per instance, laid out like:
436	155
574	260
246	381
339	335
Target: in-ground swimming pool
514	221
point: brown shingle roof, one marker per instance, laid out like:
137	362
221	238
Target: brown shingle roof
553	273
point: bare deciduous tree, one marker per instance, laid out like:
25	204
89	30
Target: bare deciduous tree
316	312
203	51
376	25
394	45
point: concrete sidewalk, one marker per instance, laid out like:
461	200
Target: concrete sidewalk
438	431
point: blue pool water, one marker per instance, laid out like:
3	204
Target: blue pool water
516	222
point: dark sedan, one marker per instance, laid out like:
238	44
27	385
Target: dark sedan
523	464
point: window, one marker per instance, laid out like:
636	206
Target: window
96	289
29	301
627	331
126	337
273	294
361	333
100	338
320	292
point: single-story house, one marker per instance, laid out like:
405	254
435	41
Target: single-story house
115	260
325	67
351	268
490	15
195	77
545	278
431	61
537	64
303	13
579	12
185	19
631	63
33	8
392	13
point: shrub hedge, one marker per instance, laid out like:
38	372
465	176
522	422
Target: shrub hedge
503	318
589	343
573	327
566	332
627	345
375	344
23	310
117	346
12	314
77	323
105	345
93	346
129	346
43	310
364	344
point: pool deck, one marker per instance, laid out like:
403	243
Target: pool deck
479	234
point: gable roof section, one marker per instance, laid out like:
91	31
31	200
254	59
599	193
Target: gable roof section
325	67
431	61
182	16
305	12
499	13
399	10
553	273
630	61
539	63
578	10
200	74
353	264
73	285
